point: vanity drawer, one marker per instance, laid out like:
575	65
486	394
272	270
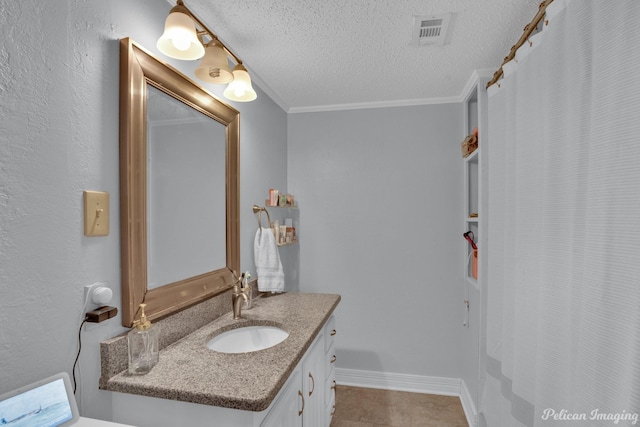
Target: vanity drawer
329	332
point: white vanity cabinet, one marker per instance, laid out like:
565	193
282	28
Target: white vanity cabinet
307	399
317	393
288	407
301	402
313	385
330	371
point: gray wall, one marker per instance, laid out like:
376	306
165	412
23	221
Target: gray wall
378	189
380	204
59	68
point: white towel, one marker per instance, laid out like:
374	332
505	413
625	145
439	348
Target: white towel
268	265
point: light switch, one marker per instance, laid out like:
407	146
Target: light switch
96	213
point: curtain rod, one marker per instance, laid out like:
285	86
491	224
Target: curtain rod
528	29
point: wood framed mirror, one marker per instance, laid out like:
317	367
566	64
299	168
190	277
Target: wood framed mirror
141	74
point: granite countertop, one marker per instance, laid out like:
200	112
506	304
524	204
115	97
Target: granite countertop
188	371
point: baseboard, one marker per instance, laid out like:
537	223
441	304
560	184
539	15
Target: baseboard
412	383
467	405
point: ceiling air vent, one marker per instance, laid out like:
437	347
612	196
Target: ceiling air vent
430	29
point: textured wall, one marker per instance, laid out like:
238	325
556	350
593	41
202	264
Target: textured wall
380	202
59	67
378	191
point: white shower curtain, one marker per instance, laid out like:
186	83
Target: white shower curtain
563	279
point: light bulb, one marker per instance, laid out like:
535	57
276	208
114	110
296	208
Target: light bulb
180	42
180	39
214	67
240	88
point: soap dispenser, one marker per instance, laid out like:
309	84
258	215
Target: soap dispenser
143	345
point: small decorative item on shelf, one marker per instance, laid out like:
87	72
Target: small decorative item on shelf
285	234
278	199
469	237
470	143
474	264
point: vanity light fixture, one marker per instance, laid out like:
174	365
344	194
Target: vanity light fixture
240	88
180	40
186	37
214	67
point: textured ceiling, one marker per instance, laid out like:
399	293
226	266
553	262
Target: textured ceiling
323	54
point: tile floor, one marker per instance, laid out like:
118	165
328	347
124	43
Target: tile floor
365	407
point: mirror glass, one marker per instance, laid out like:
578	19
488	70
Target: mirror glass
179	186
185	191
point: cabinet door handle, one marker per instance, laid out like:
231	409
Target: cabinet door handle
333	359
333	332
301	397
313	384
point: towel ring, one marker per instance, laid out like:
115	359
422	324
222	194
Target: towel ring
257	209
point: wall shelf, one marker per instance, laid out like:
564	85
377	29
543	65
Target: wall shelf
473	156
285	212
475	170
282	207
472	166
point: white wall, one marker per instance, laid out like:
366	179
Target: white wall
59	68
380	211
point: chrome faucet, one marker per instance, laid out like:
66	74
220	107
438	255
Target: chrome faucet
237	298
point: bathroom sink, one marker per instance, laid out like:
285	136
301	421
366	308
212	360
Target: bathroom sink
247	339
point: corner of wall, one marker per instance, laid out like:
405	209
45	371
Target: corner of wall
468	406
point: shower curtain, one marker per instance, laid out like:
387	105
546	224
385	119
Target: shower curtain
563	279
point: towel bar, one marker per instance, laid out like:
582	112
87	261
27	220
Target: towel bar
257	209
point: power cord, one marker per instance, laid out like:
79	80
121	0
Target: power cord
84	320
97	315
78	355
